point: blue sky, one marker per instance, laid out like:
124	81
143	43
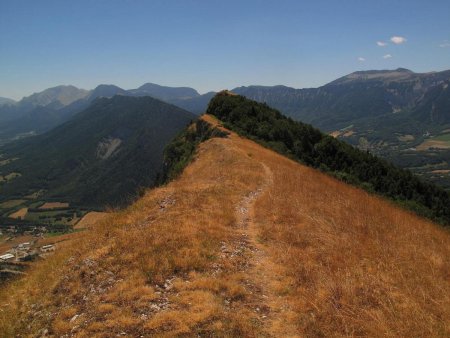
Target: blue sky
211	45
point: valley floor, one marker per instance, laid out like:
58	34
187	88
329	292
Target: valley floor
246	243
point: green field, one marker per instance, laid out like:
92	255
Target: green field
36	204
443	137
50	217
28	210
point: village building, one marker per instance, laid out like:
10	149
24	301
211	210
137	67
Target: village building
6	257
47	248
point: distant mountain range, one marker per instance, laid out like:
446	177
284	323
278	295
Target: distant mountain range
101	157
43	111
361	97
398	114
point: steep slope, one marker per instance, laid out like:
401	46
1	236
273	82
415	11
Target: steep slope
245	243
434	106
102	156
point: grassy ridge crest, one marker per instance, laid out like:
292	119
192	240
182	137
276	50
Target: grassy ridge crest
308	145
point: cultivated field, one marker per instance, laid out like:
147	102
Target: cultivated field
437	142
405	138
246	243
443	137
11	204
441	171
54	205
21	213
52	216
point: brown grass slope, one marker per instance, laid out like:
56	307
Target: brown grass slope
246	243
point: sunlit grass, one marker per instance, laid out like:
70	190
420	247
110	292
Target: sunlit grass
341	262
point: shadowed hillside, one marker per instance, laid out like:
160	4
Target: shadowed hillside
244	243
101	157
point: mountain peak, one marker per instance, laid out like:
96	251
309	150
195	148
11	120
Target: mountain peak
65	94
404	70
106	90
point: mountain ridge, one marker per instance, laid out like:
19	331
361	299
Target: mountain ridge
394	113
164	92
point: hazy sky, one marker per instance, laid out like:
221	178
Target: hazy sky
211	45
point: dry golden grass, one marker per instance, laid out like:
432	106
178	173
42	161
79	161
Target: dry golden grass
359	266
90	219
21	213
245	243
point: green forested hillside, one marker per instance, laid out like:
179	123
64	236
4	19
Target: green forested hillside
308	145
101	157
